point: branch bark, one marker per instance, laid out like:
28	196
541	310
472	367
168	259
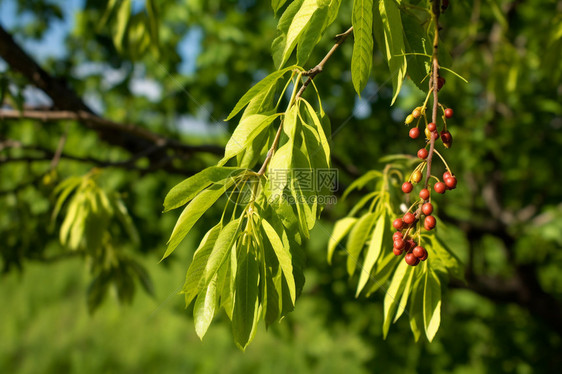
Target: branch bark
68	105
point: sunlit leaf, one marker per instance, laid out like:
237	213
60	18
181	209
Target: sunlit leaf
431	304
362	58
373	252
341	229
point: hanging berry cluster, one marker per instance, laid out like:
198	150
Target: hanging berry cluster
409	226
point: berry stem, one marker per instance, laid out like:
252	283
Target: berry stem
444	162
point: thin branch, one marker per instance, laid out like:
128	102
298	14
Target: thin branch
70	106
158	142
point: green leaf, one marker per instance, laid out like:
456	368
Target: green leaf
431	304
246	302
67	187
221	249
362	202
184	191
298	24
416	309
282	160
106	14
417	41
357	239
123	15
312	34
384	268
323	140
283	256
245	133
405	295
362	57
192	212
124	217
194	278
204	309
97	290
375	247
277	4
341	228
263	85
391	298
394	43
138	37
362	181
153	18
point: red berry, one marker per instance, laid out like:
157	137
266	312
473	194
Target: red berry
435	135
440	83
419	252
399	244
447	139
416	113
446	175
429	222
422	153
414	133
424	194
448	112
397	252
424	257
410	243
431	126
440	187
427	209
409	218
451	182
411	259
398	223
407	187
397	235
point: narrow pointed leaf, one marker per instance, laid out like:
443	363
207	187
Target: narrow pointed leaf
204	309
194	277
191	214
392	296
356	241
186	190
362	57
246	311
283	256
221	249
373	252
341	228
298	24
394	43
416	309
431	304
259	87
245	133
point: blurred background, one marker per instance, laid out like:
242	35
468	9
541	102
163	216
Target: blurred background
180	77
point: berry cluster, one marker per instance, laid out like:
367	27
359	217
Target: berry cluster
420	212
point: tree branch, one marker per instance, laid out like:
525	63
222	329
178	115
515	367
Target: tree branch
69	106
